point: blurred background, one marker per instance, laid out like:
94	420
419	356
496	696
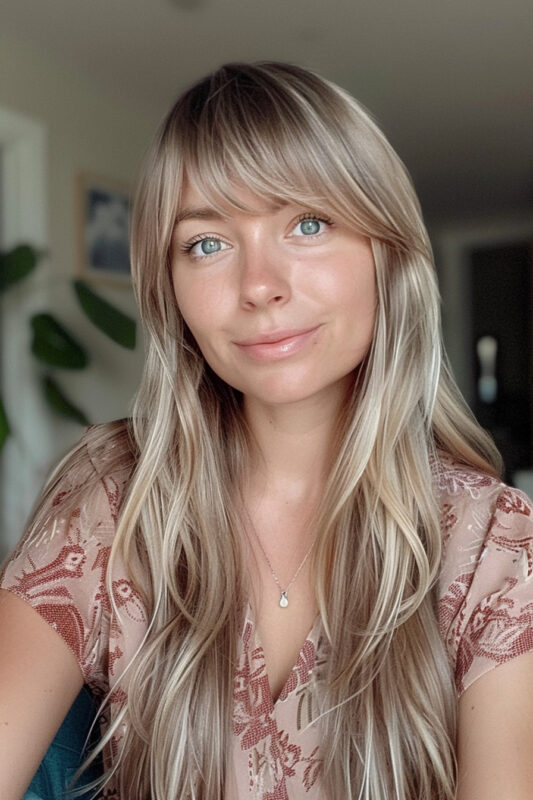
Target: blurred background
82	88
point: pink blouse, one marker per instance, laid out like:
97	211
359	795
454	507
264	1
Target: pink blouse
485	613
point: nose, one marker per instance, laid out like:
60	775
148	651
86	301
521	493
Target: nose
264	276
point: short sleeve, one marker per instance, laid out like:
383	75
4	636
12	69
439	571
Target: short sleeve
486	610
61	570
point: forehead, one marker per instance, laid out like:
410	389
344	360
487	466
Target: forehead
196	203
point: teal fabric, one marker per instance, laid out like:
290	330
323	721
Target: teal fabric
53	778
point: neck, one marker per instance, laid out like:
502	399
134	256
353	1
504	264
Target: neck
294	446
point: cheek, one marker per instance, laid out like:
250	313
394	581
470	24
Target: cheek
204	310
364	290
202	303
357	297
354	292
367	306
191	304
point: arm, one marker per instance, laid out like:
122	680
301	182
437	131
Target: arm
495	734
39	680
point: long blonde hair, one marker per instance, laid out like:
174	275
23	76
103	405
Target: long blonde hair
386	732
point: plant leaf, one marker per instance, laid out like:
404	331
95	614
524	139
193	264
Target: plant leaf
16	264
60	404
114	323
54	345
4	425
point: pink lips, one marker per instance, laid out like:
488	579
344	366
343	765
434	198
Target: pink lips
276	344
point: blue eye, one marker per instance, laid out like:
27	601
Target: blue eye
309	227
206	247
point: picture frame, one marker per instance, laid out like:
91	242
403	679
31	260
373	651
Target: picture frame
103	223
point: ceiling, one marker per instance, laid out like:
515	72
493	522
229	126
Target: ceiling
450	81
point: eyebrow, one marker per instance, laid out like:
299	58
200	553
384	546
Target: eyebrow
207	212
203	212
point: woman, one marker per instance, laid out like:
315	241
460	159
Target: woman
253	573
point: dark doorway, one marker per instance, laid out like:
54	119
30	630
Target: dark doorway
501	348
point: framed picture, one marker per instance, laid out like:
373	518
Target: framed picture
103	229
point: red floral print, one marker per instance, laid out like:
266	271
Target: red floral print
511	501
274	759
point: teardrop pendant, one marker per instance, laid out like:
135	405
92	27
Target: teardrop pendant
284	600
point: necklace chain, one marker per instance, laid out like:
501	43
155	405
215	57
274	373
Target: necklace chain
283	600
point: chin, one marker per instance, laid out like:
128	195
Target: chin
287	392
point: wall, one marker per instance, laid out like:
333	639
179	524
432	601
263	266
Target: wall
85	128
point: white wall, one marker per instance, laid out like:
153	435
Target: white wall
84	128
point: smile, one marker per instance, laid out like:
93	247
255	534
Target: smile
276	344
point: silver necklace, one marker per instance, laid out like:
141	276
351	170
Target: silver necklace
283	600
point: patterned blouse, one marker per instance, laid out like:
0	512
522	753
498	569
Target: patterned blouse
485	612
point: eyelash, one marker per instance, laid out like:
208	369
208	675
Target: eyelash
186	247
319	218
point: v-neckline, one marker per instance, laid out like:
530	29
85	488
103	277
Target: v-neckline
312	637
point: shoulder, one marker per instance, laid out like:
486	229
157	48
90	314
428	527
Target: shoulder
60	566
85	492
478	510
95	474
88	485
485	589
109	454
467	500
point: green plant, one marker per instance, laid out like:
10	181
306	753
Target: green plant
52	344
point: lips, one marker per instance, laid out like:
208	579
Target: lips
275	336
273	345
